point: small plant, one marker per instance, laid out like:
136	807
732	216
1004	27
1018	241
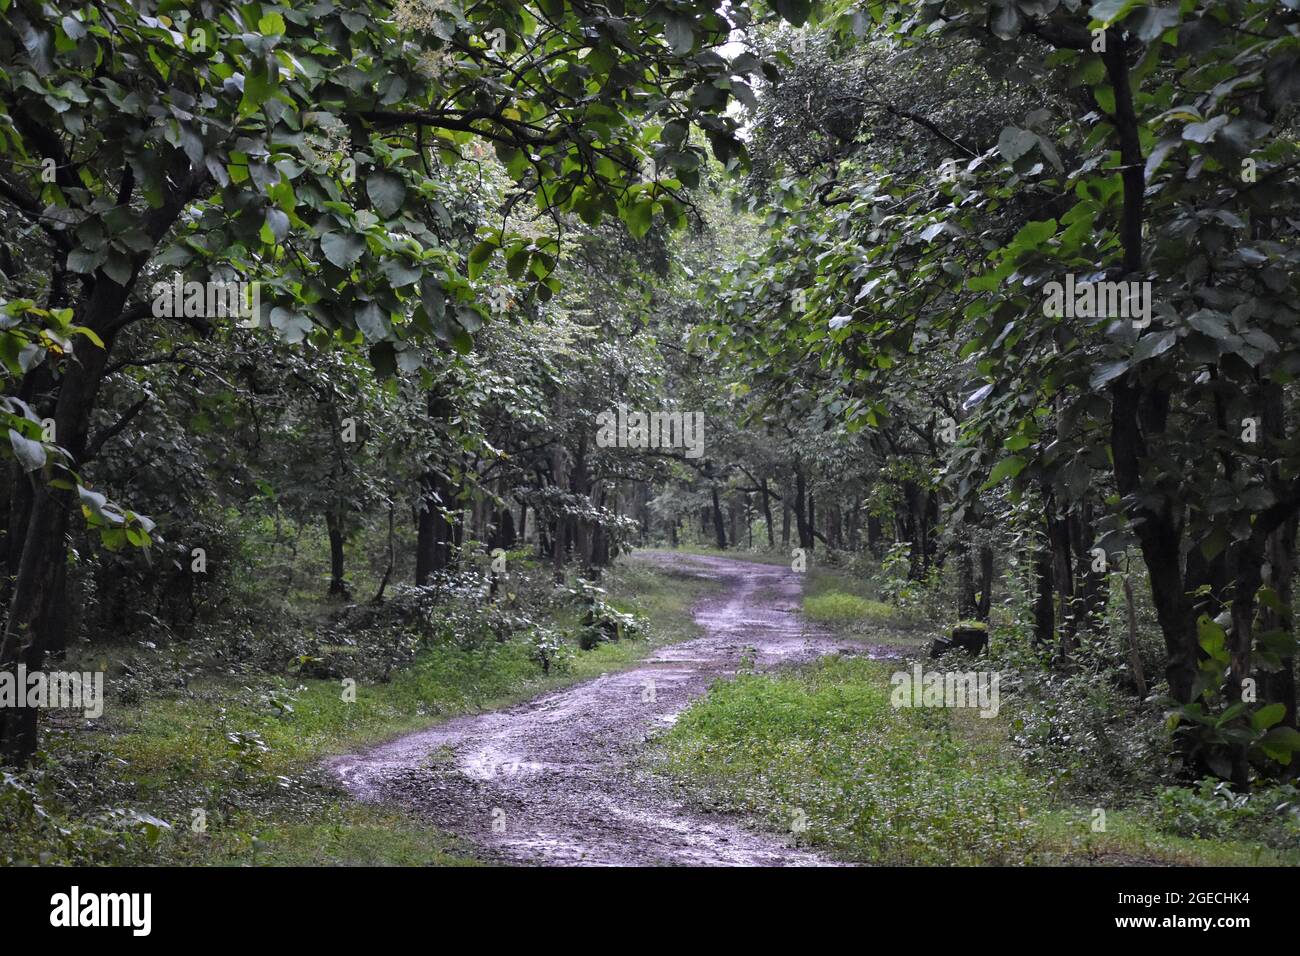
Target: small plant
1218	726
1213	810
247	748
602	621
549	650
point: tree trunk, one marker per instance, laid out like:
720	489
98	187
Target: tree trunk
334	526
984	606
801	508
561	525
719	527
785	521
812	520
767	514
1058	539
967	605
1134	656
1044	610
33	623
435	531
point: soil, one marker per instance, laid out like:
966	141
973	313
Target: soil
557	780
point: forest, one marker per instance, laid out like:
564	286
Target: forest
448	432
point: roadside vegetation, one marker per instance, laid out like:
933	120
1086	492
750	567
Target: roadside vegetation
819	752
198	764
346	347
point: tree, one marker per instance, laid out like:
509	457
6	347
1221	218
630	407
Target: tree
292	147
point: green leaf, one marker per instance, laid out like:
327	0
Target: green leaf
271	24
1107	12
680	35
1213	639
1006	21
639	217
277	222
399	273
342	249
1034	234
30	454
1156	343
372	322
795	11
1014	142
1204	132
387	191
479	257
1268	715
1105	372
85	261
1214	324
1281	743
1007	468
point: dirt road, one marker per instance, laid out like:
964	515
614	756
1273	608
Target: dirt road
554	781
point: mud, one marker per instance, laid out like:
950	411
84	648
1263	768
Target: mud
556	781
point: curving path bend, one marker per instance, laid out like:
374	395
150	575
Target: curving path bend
555	781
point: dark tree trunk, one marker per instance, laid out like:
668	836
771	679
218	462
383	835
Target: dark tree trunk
34	620
1160	534
719	526
767	513
1093	588
855	523
966	603
1058	540
802	506
435	532
812	520
1044	610
785	522
334	526
503	534
985	583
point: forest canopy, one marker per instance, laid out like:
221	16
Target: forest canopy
329	308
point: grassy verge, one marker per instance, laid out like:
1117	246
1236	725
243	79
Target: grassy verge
738	554
225	770
850	605
820	752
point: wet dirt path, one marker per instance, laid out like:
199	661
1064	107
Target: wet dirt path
554	780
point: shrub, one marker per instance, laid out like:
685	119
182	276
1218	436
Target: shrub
1212	810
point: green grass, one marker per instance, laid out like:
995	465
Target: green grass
737	554
837	607
247	752
850	606
1130	837
343	834
822	746
819	751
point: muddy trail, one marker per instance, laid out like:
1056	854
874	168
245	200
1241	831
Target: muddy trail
556	780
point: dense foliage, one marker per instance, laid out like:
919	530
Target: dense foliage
312	318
